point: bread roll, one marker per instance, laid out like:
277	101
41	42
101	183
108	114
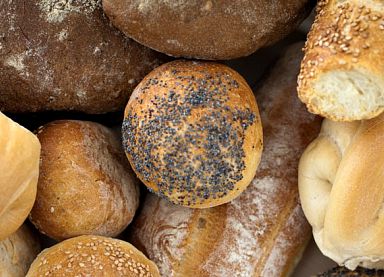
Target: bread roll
19	171
344	272
17	252
192	133
341	76
64	55
94	256
217	30
262	232
86	185
341	181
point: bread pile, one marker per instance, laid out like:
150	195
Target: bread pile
235	185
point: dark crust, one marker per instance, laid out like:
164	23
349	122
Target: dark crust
81	63
206	159
214	30
344	272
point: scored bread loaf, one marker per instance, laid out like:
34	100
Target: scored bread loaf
17	252
86	185
65	55
94	256
341	182
262	232
192	133
214	30
341	76
19	171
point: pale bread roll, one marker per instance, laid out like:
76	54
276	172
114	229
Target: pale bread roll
19	171
341	181
17	252
94	256
342	72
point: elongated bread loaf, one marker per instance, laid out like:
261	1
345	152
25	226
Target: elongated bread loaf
341	76
263	231
341	181
19	171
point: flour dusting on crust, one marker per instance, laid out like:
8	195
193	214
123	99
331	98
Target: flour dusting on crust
56	10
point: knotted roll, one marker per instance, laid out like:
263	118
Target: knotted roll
341	181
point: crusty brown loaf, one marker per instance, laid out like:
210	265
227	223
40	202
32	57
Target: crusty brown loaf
359	272
86	185
94	256
192	133
17	252
342	72
341	182
19	171
64	55
262	232
220	29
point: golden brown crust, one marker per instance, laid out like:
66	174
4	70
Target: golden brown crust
346	39
19	171
86	185
216	30
94	256
17	252
343	200
192	133
262	232
61	55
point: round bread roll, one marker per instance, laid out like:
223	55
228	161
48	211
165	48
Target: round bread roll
192	133
205	29
17	252
359	272
94	256
19	171
65	55
341	182
86	185
342	72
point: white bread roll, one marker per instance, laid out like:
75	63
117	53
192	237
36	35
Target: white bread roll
341	182
342	72
17	252
19	171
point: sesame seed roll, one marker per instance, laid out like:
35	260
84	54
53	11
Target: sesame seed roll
94	256
341	74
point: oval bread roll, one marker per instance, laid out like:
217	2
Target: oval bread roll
19	171
342	72
341	181
17	252
94	256
86	185
192	133
206	29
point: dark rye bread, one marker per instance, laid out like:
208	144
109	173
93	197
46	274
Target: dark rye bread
192	133
359	272
65	55
205	29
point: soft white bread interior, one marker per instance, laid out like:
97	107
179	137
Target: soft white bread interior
341	74
19	170
341	184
